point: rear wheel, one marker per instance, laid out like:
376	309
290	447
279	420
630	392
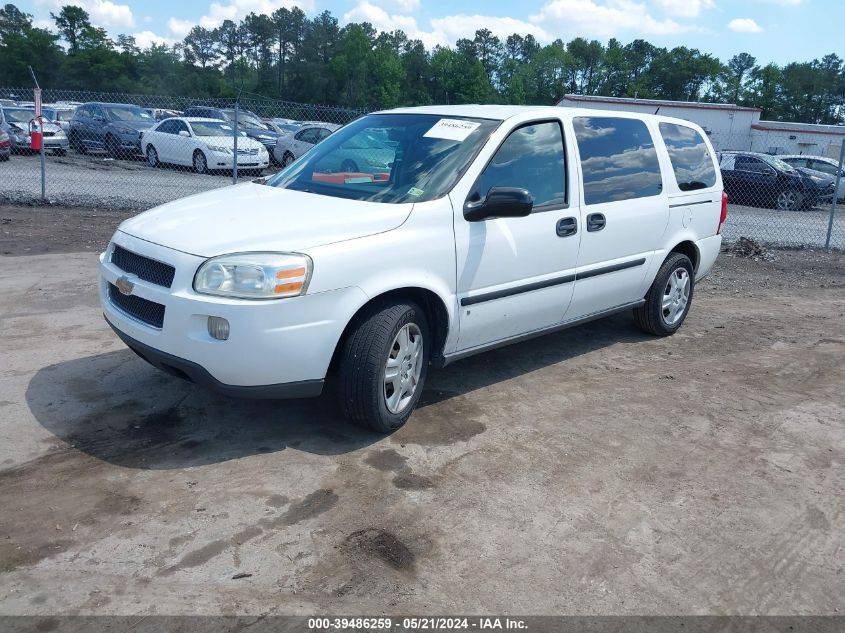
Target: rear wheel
200	163
668	301
383	365
348	166
76	143
113	147
287	159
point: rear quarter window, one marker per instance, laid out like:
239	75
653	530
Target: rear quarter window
618	159
690	157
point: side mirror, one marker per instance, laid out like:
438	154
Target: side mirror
184	133
500	202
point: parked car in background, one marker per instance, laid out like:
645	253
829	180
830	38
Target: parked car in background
829	166
60	115
762	180
248	122
114	127
369	152
294	145
159	114
204	144
494	224
19	124
5	146
282	126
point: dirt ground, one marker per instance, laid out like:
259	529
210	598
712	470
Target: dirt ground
594	471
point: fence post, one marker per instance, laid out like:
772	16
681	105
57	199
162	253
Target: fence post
835	193
235	150
37	101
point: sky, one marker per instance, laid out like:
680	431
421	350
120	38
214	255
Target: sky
777	31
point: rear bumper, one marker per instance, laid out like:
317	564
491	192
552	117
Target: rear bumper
195	373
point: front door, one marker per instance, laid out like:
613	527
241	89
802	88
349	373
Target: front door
514	275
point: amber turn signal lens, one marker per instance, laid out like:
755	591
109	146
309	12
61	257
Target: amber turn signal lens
293	287
291	273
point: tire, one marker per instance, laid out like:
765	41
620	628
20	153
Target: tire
59	152
76	143
366	398
200	162
152	157
668	301
4	157
113	148
348	166
789	200
287	159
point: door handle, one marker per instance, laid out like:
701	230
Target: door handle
595	222
567	227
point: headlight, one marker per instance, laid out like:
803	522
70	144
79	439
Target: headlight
255	275
220	148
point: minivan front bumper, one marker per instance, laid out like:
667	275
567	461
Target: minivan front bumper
278	348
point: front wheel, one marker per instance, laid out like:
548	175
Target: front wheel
152	156
789	200
668	301
200	163
287	159
383	365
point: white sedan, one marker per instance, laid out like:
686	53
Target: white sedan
292	146
204	144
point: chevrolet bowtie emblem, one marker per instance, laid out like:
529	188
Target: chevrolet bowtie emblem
124	285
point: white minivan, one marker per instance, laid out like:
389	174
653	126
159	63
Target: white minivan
487	225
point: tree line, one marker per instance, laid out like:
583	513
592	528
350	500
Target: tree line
287	55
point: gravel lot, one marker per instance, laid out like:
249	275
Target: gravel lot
595	471
97	182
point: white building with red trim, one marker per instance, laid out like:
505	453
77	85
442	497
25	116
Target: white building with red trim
730	126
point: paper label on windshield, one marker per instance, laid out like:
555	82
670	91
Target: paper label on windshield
452	129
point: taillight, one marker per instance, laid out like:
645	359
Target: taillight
724	214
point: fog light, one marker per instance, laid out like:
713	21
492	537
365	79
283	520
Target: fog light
218	328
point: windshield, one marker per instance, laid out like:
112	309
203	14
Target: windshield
19	115
777	163
214	128
391	158
127	114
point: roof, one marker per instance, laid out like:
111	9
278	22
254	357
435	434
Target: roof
656	103
495	112
809	128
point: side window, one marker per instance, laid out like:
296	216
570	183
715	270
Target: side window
750	163
690	158
822	166
323	134
618	159
166	127
531	158
84	111
179	126
308	135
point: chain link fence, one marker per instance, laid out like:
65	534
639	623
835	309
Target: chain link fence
125	151
101	151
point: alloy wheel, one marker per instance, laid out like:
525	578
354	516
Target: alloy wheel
403	368
676	296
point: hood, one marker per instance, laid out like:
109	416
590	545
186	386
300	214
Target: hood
244	142
253	217
255	131
138	126
806	171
